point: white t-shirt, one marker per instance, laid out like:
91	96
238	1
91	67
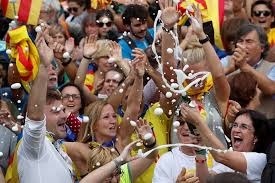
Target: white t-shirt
38	160
255	165
170	165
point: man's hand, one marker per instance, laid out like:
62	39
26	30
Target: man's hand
45	52
90	46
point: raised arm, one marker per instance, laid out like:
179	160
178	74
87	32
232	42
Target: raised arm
134	103
89	50
221	86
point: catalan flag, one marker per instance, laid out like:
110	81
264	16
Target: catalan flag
212	10
27	10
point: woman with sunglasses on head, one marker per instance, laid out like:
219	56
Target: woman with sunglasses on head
250	138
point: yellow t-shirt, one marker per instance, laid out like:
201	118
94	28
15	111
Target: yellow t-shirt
161	126
271	37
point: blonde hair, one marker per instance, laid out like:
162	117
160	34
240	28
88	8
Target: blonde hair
104	48
193	52
93	111
100	156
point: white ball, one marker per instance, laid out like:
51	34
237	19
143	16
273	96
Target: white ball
11	65
158	111
16	86
38	29
147	136
168	94
138	144
120	90
1	154
66	55
19	101
85	119
176	123
111	60
97	164
169	50
54	108
8	51
19	117
105	20
175	130
174	100
174	85
133	123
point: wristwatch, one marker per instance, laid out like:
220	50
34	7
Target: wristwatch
202	41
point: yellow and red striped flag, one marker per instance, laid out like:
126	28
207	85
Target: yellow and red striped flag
27	10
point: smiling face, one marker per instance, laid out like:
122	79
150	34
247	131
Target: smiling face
242	134
104	25
71	99
106	127
262	16
111	82
138	28
55	119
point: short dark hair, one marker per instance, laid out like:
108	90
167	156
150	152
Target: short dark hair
262	130
103	12
227	177
258	2
134	11
247	28
52	95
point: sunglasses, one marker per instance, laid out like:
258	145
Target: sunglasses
259	13
74	9
101	24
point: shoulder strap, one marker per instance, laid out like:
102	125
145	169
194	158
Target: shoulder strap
130	42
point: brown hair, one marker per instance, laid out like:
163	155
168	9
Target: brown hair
52	95
243	88
100	156
93	111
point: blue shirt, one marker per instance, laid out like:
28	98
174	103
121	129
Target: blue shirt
142	44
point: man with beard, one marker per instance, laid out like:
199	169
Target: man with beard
135	20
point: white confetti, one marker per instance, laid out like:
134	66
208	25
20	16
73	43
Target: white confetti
16	17
19	101
85	119
176	123
8	51
16	86
54	108
175	130
120	90
133	123
172	80
105	20
15	128
66	55
158	111
193	104
169	50
173	101
111	60
1	154
138	144
38	29
168	94
174	85
170	112
11	65
140	153
5	94
97	164
147	136
19	117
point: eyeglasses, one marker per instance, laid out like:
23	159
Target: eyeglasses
73	9
74	96
101	24
260	13
242	126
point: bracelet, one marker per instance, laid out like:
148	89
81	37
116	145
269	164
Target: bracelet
149	146
88	58
200	160
202	41
201	152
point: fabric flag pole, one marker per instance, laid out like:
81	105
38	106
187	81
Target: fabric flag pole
27	10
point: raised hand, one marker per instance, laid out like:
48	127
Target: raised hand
196	21
69	45
240	55
115	51
139	62
233	109
90	47
45	52
190	114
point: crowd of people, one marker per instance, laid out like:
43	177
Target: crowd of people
138	91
